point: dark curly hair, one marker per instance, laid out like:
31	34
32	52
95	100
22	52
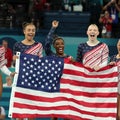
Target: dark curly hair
55	38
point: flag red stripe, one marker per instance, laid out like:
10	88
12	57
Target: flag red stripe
78	73
88	84
47	115
58	99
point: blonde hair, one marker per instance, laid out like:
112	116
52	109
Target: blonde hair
94	26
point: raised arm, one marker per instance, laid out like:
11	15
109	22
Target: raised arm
108	4
49	38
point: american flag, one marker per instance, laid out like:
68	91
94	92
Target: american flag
56	87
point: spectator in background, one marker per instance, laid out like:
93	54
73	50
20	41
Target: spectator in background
114	8
8	53
106	21
8	57
4	68
2	113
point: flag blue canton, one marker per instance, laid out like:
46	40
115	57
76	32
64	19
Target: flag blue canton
40	73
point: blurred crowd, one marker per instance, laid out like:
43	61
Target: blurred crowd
15	13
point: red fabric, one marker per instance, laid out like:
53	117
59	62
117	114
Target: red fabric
107	25
40	5
8	56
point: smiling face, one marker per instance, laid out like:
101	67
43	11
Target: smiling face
107	15
59	46
29	32
92	32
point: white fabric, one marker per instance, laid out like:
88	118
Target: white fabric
78	8
5	70
2	111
